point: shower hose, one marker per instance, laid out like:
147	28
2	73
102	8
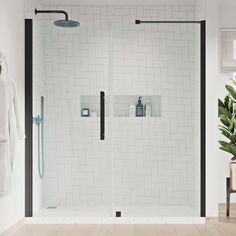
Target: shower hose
40	150
39	123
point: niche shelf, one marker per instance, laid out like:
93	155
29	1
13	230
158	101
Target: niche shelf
92	102
123	102
121	105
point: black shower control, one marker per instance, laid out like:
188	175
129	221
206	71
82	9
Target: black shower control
118	213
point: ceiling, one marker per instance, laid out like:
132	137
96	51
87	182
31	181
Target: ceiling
115	2
129	2
227	2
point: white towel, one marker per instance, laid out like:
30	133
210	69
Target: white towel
10	129
4	105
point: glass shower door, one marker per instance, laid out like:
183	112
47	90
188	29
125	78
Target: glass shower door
156	156
100	158
71	66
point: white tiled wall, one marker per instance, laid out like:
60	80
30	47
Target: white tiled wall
154	161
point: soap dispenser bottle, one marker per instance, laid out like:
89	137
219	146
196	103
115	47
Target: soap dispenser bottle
139	108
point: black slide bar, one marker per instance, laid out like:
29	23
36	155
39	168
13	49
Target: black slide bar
138	22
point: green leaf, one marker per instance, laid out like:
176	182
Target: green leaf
227	114
231	127
226	100
233	81
226	134
225	149
231	91
233	138
223	127
223	111
220	103
231	148
225	121
223	143
230	106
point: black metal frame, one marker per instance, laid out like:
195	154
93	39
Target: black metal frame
203	102
52	11
228	193
138	22
28	117
28	112
203	119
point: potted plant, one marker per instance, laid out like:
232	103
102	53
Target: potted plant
227	114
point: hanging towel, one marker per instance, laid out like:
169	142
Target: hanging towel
10	129
4	104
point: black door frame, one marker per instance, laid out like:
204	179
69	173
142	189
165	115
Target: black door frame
28	117
29	113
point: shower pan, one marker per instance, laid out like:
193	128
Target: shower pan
104	165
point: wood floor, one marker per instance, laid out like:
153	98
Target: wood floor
223	218
222	226
218	229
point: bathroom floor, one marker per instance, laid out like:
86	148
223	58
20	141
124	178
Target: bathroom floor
210	229
163	211
222	210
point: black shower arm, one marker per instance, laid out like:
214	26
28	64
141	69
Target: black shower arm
52	11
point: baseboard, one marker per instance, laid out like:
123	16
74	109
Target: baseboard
13	228
114	220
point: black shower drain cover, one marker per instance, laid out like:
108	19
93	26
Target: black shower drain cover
118	213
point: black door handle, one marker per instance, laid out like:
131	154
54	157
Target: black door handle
102	115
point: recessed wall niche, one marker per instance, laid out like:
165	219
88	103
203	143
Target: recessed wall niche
123	102
228	49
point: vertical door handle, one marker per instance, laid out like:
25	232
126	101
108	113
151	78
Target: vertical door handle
102	115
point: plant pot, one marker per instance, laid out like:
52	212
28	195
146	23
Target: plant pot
233	176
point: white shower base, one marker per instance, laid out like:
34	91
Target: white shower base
131	215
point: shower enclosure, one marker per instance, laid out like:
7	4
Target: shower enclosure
112	163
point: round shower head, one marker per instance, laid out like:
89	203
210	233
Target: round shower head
61	23
67	23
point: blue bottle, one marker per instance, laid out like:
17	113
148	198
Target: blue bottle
139	108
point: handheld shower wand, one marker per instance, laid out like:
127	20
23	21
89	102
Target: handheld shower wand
38	120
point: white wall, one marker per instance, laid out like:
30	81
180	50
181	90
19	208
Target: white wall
217	17
209	12
227	19
12	45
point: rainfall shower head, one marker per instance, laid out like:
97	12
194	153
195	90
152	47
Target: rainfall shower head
66	23
61	23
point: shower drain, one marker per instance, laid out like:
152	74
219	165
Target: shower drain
118	213
51	207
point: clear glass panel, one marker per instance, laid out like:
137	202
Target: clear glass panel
147	166
70	70
156	158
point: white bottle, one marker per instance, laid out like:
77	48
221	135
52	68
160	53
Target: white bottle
132	111
93	114
148	110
